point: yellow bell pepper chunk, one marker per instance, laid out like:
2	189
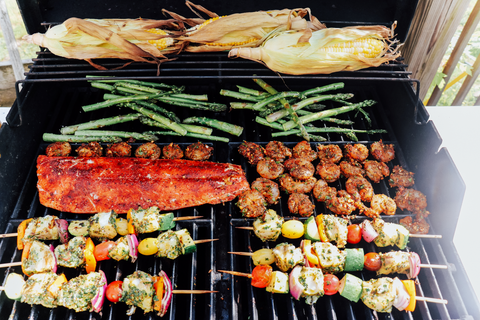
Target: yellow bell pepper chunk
410	287
21	233
55	286
321	228
308	252
90	261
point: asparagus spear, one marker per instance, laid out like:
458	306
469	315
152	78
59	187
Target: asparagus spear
327	130
190	128
298	106
193	104
50	137
121	134
240	95
155	116
286	105
113	102
252	92
169	114
217	124
273	125
327	113
100	123
189	134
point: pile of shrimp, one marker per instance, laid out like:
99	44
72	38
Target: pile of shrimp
356	166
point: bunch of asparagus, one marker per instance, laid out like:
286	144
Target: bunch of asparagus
141	97
291	112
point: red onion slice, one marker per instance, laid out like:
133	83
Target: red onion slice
132	246
167	295
296	288
414	261
62	226
402	298
368	232
97	301
52	249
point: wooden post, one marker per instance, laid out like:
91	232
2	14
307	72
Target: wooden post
6	26
467	84
432	29
457	52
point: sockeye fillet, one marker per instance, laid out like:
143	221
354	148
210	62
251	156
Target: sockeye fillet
92	185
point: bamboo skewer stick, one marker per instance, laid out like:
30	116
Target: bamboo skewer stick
14	234
236	273
10	264
192	291
204	241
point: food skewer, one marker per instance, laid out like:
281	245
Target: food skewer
326	228
392	293
52	290
101	225
81	251
329	258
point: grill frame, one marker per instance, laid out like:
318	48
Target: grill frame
421	157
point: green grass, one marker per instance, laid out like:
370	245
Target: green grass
27	51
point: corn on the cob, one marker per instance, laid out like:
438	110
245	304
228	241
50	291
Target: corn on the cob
131	39
241	29
323	51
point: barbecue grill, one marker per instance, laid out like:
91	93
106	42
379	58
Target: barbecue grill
55	89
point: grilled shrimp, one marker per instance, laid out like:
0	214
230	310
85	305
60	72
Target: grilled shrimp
382	152
268	188
351	168
198	151
383	204
252	204
323	192
342	203
121	149
92	149
328	171
300	203
172	151
277	151
291	185
359	188
59	149
411	200
375	170
300	168
369	212
358	152
304	150
148	150
252	152
269	168
329	153
401	177
420	225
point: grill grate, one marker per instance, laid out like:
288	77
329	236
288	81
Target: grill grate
56	88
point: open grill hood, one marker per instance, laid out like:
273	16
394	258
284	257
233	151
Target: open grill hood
55	89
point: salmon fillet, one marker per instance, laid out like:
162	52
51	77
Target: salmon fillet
92	185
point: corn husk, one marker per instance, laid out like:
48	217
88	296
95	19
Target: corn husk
87	39
242	29
298	52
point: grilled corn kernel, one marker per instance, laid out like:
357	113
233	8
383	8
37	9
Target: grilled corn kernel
160	43
366	47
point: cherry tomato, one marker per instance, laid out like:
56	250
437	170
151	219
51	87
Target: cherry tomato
114	291
354	234
101	250
261	275
372	261
330	284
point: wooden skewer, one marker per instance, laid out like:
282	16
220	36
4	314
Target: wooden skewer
8	235
187	218
245	228
204	241
11	264
192	291
433	300
236	273
247	254
429	236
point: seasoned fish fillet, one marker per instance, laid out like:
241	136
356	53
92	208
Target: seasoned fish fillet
92	185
